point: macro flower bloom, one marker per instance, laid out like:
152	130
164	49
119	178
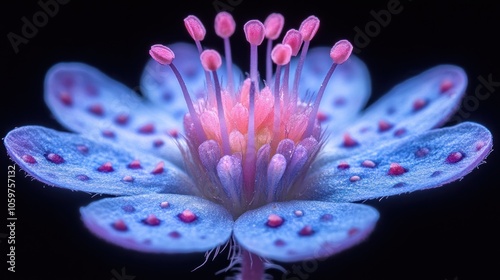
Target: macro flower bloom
272	166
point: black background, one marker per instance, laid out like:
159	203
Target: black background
445	233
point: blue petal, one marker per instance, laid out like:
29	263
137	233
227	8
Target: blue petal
416	105
86	101
160	85
153	223
75	162
347	92
310	229
423	161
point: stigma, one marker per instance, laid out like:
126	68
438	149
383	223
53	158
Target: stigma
251	144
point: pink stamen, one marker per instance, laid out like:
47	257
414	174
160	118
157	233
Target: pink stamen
273	26
225	27
195	28
197	31
280	55
294	39
254	33
309	27
339	52
211	61
164	55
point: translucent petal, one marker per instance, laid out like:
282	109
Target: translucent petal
159	223
417	162
85	100
160	85
418	104
347	92
309	229
76	162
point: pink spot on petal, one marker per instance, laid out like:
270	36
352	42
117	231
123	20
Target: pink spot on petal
343	165
306	231
96	109
368	163
174	133
480	145
384	126
119	225
279	243
54	158
445	86
326	217
399	132
298	213
158	143
66	98
174	234
108	133
147	129
151	220
82	149
396	169
418	104
399	185
349	142
28	159
454	157
354	178
128	208
187	216
274	221
164	204
322	117
106	167
422	152
122	119
135	164
82	177
352	231
128	178
158	168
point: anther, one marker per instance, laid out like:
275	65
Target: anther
309	27
254	32
341	51
224	25
281	54
162	54
195	28
273	25
293	38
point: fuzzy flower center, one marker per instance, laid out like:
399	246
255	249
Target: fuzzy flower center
248	144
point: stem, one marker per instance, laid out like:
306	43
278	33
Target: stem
252	266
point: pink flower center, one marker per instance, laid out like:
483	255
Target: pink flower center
252	145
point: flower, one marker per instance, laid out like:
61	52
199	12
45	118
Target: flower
286	191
